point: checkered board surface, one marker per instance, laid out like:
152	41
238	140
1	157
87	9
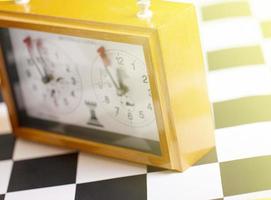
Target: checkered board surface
236	37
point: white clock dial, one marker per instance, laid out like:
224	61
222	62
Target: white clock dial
122	86
51	74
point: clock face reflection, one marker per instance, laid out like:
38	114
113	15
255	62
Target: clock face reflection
96	84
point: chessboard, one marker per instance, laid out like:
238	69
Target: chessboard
236	38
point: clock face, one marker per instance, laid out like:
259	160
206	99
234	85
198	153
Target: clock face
95	84
51	76
119	85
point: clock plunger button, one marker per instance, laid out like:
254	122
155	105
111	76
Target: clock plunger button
144	9
22	1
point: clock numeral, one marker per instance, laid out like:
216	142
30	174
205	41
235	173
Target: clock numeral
66	102
73	80
107	100
52	92
119	60
56	102
130	116
117	110
141	114
34	87
72	93
145	79
29	62
149	106
28	73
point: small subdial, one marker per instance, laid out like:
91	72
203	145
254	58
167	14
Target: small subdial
121	85
52	75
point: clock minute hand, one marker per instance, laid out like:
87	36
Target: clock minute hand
106	63
29	45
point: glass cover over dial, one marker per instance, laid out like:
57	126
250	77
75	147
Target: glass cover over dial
99	89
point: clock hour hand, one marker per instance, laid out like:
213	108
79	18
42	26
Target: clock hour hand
106	63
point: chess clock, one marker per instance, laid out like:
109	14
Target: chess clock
111	77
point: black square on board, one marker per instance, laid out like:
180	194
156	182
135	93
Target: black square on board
132	188
6	146
43	172
2	197
154	169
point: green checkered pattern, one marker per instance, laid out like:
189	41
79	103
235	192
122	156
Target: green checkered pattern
236	37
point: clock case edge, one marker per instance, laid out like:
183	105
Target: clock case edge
190	108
